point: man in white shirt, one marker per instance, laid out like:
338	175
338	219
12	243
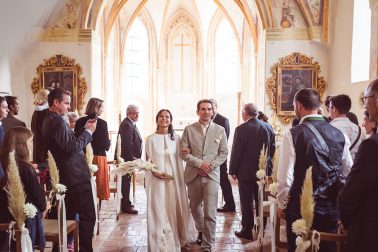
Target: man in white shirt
338	108
330	161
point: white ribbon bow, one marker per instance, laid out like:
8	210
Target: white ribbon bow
302	245
26	243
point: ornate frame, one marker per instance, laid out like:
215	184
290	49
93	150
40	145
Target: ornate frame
289	75
61	69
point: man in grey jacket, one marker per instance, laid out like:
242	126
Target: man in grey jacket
207	142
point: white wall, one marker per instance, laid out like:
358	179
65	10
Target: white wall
340	52
278	49
25	62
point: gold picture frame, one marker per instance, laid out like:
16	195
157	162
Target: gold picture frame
289	75
61	71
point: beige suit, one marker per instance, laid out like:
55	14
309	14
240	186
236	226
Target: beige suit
211	147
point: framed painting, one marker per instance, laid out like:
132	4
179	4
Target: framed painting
291	74
62	72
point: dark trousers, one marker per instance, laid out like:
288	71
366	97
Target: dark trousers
326	218
79	200
248	191
226	187
125	188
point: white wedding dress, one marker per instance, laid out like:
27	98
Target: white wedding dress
170	225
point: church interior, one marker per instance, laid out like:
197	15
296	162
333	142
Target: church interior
171	53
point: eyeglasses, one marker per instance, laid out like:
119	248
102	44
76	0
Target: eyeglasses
365	98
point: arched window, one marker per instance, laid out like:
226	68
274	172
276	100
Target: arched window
226	60
135	72
361	41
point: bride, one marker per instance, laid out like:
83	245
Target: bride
169	221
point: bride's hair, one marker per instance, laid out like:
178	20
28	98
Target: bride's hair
170	127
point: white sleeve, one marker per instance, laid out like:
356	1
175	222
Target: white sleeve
285	172
347	161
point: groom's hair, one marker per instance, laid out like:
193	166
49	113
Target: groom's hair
204	101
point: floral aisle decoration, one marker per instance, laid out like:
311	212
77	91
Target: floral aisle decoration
302	227
59	191
261	175
16	202
15	192
89	157
58	188
92	169
274	185
128	167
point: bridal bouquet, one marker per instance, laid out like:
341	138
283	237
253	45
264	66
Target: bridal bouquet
138	165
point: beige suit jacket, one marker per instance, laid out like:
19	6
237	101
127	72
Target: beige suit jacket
210	147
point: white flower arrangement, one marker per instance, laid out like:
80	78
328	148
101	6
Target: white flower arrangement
219	138
302	227
260	174
299	227
60	188
273	188
93	168
30	210
128	167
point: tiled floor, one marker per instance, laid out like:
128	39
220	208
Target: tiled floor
129	233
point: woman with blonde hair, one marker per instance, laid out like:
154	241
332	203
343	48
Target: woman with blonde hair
39	148
100	144
17	139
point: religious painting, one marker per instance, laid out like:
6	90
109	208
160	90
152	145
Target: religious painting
292	80
59	79
293	73
61	72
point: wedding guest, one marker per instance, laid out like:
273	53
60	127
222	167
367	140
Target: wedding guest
17	139
39	148
131	149
229	202
100	145
249	138
339	107
72	118
207	142
67	150
331	161
262	117
358	202
3	114
11	121
370	126
168	214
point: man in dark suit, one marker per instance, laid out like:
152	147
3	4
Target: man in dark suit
3	114
249	139
358	201
229	202
11	121
131	149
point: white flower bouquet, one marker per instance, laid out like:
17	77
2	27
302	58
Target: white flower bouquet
60	188
30	210
128	167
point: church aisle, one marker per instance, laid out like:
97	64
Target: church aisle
129	233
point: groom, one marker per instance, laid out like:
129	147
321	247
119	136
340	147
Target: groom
207	142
